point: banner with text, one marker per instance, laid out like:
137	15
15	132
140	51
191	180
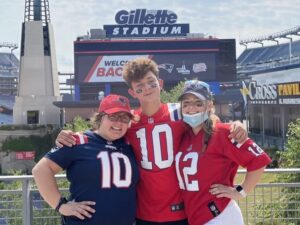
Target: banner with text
266	94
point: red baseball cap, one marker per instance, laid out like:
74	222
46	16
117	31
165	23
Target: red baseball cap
114	103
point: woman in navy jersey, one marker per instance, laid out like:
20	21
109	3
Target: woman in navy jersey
101	168
207	162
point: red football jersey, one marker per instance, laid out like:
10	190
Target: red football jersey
154	140
197	171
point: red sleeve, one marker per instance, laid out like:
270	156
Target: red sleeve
80	138
248	155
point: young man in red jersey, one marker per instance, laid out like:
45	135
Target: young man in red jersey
155	137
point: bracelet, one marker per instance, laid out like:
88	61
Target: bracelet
60	203
241	190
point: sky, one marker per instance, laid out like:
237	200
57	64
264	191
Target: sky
238	19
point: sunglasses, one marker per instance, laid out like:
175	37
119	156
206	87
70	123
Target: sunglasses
124	118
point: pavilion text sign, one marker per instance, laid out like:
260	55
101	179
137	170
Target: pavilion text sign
283	93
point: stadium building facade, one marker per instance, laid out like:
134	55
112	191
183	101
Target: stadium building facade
180	55
271	89
9	72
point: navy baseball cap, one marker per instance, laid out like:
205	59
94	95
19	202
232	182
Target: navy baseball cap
198	88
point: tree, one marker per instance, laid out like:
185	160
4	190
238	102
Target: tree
173	94
288	197
78	125
291	157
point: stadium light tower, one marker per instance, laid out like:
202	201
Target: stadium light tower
38	68
37	10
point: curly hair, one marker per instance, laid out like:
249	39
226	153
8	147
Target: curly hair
136	69
96	120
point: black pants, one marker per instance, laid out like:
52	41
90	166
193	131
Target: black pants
178	222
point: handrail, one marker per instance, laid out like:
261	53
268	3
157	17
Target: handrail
22	177
28	189
242	171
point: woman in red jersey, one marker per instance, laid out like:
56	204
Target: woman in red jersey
207	162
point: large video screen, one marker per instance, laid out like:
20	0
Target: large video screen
175	67
207	60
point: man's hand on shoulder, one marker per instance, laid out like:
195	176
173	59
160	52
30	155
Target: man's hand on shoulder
65	138
238	132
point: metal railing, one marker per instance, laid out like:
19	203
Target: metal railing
21	204
273	203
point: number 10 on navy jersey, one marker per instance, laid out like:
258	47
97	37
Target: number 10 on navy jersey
111	170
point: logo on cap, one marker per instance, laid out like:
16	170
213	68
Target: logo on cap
198	88
123	101
114	103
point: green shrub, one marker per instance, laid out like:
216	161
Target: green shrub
26	127
79	124
39	144
289	198
173	94
274	154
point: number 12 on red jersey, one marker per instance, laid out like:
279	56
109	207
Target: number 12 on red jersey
184	182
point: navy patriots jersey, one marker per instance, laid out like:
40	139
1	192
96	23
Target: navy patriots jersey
101	171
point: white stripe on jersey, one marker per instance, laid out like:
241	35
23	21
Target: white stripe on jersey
81	139
174	110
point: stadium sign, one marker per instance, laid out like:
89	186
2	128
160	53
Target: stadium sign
283	93
289	93
105	68
109	68
146	23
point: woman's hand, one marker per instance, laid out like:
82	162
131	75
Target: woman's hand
79	209
222	191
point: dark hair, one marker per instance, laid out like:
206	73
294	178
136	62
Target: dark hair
136	69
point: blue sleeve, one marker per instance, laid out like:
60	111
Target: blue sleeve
62	156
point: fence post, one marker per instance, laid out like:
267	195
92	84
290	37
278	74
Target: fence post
27	216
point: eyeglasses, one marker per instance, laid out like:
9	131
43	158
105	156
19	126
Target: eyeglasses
123	118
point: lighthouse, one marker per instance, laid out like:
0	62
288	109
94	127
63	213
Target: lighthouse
38	77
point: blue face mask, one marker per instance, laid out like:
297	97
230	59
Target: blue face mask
195	120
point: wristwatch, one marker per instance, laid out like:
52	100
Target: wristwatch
60	203
241	190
